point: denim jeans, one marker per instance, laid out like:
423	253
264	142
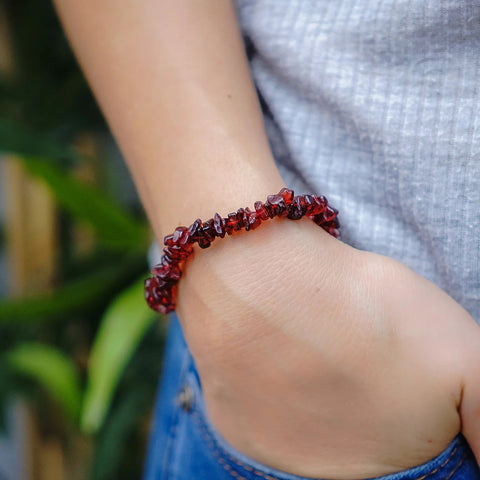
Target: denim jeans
184	445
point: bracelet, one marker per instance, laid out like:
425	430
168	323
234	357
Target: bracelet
160	289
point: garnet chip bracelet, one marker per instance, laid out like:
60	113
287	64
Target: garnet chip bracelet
160	289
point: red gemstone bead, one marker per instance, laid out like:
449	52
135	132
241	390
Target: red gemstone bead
167	259
152	282
219	225
161	299
170	273
150	297
320	204
332	223
168	240
260	211
318	219
270	209
176	253
232	224
186	242
159	270
245	218
274	199
277	204
150	300
163	295
287	195
330	213
297	209
310	203
241	217
209	230
252	220
194	229
177	237
203	242
198	234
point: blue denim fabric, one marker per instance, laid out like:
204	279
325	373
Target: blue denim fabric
185	446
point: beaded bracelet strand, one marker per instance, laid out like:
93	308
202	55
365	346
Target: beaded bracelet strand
160	289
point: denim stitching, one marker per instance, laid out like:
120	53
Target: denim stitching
457	467
217	450
441	466
214	448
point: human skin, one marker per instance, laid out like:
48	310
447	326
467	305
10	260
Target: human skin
315	358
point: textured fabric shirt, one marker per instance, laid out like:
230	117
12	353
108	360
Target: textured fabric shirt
375	104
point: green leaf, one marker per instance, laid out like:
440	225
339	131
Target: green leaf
52	370
113	226
75	296
121	330
15	139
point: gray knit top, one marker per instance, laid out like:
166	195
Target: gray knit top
375	104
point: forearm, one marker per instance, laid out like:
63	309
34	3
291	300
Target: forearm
173	82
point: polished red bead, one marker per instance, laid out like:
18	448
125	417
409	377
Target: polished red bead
170	273
245	217
332	223
330	213
274	199
297	209
232	224
219	225
167	259
164	295
176	253
277	204
260	211
178	236
209	230
311	205
320	204
150	282
198	234
151	293
270	209
203	242
287	195
241	217
318	219
194	229
252	220
159	270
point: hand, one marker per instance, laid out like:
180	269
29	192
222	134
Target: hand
324	361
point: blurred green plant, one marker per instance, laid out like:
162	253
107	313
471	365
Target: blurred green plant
90	348
38	344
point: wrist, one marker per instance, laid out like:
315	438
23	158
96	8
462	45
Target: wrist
161	288
222	184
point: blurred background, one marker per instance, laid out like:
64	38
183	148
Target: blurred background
80	354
